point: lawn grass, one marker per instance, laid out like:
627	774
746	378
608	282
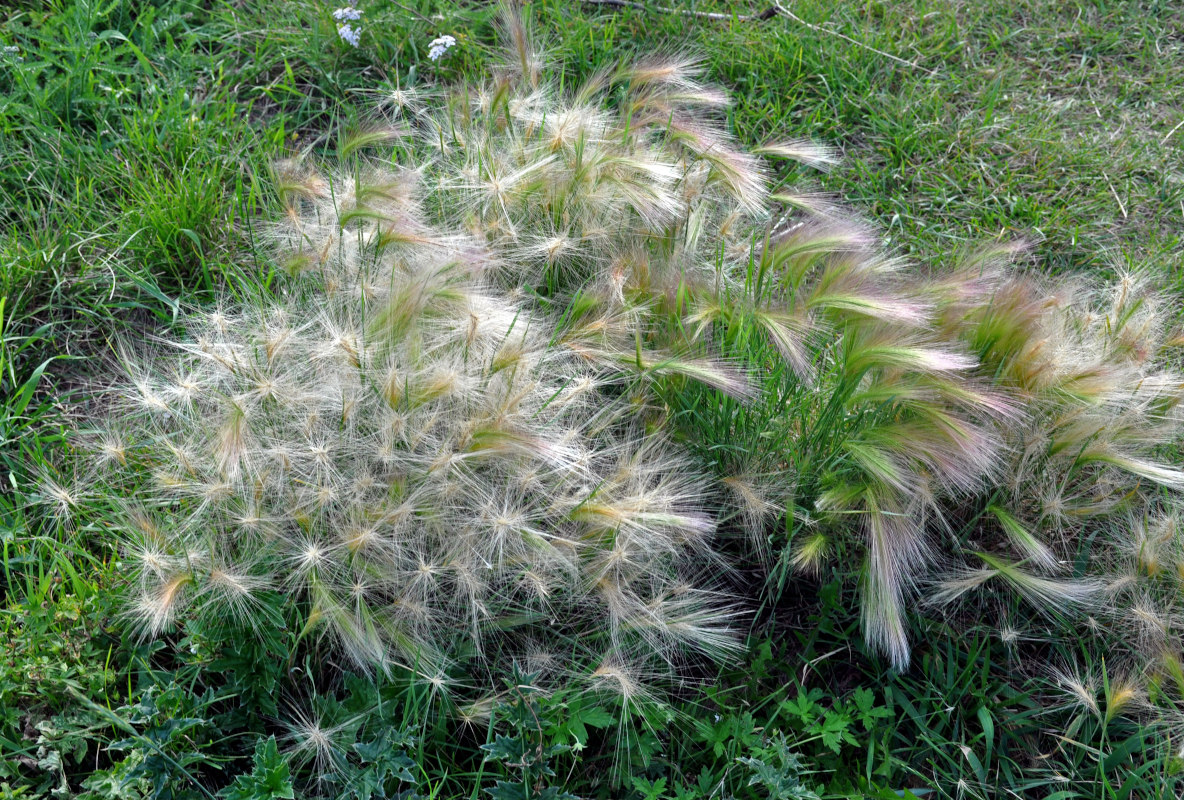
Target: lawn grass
1045	121
135	139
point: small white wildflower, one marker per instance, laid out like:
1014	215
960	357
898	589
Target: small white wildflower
11	51
349	13
350	34
439	46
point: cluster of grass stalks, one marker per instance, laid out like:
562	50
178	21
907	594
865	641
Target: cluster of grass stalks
457	421
407	447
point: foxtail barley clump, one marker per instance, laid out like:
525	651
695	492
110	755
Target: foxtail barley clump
454	416
1094	372
627	208
401	444
461	414
1084	522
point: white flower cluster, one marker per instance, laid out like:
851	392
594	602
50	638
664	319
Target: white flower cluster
439	46
347	32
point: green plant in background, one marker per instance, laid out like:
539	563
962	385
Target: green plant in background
778	771
523	752
269	778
